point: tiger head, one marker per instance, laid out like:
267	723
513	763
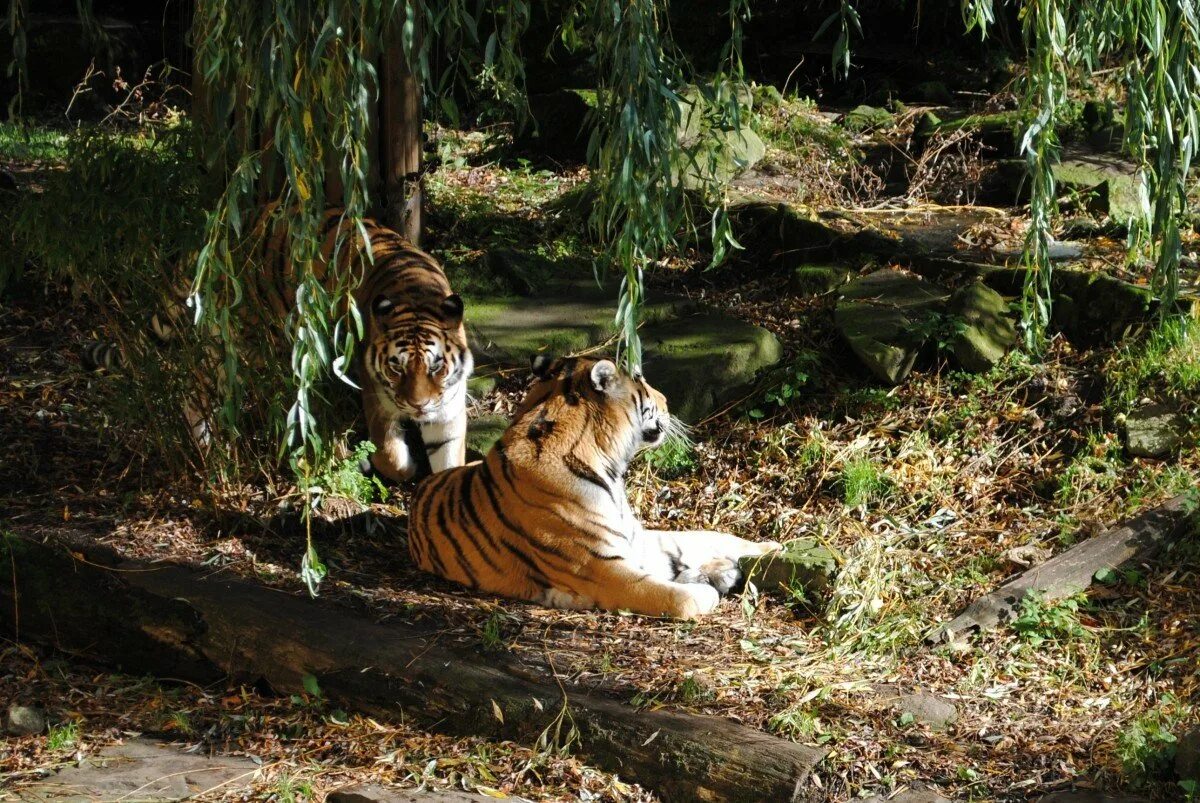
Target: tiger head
418	355
581	399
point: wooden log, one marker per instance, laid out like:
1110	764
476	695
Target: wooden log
173	621
1072	571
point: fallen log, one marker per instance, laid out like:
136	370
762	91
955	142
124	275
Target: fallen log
173	621
1072	571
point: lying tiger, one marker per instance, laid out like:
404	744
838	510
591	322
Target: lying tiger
544	517
413	362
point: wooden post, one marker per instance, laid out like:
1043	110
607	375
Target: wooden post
401	139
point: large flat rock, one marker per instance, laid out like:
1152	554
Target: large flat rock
141	770
699	358
704	361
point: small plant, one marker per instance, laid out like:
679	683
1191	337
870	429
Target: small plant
1146	746
292	790
63	737
799	725
690	691
675	457
863	483
491	634
345	478
1038	621
785	385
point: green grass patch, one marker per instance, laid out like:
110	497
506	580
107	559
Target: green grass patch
32	143
63	737
863	483
1165	361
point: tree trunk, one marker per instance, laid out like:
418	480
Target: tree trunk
172	621
401	139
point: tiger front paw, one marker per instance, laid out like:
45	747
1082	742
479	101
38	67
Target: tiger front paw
699	599
720	573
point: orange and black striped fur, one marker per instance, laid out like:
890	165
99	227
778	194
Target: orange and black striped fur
413	362
544	517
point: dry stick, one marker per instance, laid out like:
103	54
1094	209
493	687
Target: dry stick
1072	571
176	622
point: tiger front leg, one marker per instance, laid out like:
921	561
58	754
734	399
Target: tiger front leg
446	441
392	457
619	585
705	556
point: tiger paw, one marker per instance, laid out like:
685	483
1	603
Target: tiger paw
720	573
701	598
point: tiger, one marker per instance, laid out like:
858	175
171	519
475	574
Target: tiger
413	362
544	517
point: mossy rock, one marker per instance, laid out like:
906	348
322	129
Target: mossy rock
704	361
1113	177
736	152
817	279
1089	308
786	236
1155	431
563	317
987	327
804	564
482	434
699	358
932	92
864	118
886	318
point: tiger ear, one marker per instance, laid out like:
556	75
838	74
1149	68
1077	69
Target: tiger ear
381	305
452	307
603	374
540	365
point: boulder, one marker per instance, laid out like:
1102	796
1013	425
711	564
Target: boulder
1090	796
862	119
1089	308
1155	431
817	279
702	362
886	319
712	154
24	720
925	795
803	564
699	358
377	793
921	707
734	152
1122	196
935	92
143	770
986	327
994	131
